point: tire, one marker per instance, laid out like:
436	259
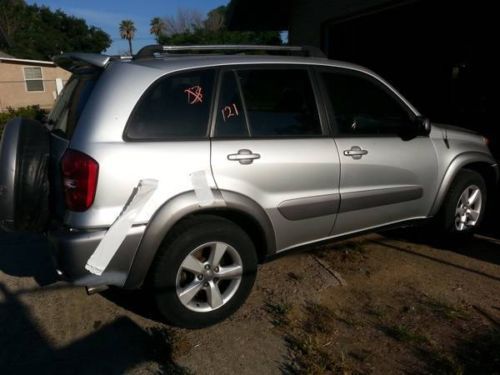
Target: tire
466	183
197	238
24	176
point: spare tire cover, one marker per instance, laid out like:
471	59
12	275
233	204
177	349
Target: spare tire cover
24	176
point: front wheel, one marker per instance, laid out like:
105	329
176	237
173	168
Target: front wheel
464	207
204	272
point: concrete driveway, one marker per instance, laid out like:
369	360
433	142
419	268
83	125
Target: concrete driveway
378	300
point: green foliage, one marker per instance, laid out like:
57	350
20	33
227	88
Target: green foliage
214	31
202	36
36	32
32	112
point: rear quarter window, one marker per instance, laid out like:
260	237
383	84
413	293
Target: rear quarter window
174	107
70	104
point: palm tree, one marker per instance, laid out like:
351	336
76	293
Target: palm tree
127	31
158	26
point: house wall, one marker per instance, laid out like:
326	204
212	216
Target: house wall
13	92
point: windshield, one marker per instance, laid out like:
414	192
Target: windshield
70	104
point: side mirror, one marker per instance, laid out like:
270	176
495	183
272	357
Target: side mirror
423	125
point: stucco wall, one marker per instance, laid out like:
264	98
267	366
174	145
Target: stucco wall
13	92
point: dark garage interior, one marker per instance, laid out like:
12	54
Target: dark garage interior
440	55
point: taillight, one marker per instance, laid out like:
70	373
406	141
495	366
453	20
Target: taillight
79	172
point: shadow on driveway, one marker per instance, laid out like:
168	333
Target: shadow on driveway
27	255
112	349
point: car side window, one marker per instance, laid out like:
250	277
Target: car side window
176	106
363	107
278	103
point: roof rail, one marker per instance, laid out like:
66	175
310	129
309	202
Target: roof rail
157	49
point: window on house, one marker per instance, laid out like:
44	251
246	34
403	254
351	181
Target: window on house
33	78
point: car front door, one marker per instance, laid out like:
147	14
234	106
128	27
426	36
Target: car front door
388	167
270	145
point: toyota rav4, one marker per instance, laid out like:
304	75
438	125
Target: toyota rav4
180	169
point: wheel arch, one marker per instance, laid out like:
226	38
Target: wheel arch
230	205
482	163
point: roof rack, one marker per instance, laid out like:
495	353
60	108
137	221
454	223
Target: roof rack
156	49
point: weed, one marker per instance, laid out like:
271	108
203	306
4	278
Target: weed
405	334
279	313
376	311
319	318
444	310
307	356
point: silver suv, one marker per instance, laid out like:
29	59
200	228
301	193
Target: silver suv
179	170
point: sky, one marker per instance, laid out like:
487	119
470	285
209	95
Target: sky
107	14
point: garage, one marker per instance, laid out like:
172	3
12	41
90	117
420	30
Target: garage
438	54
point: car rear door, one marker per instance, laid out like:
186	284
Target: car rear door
388	168
270	144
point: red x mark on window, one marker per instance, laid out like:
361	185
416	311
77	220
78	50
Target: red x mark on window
194	94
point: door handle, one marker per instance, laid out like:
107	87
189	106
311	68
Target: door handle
355	152
244	156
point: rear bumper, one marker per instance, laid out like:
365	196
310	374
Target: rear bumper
72	249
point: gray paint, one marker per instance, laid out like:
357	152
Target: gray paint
287	170
73	248
178	208
456	165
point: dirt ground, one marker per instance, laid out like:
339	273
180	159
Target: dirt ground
381	303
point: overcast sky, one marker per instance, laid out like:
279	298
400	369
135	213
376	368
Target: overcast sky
107	14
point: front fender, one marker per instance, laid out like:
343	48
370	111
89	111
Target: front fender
456	164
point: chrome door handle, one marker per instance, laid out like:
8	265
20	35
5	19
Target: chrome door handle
355	152
244	156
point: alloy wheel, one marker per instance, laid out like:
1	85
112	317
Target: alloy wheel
468	208
209	276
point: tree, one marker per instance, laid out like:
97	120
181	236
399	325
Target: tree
127	31
158	27
188	28
36	32
185	21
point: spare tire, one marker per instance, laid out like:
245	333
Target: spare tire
24	176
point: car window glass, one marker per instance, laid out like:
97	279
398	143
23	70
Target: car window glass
176	106
70	103
230	116
363	107
279	102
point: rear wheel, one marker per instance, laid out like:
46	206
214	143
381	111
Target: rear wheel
463	209
204	272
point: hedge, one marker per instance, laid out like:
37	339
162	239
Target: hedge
32	112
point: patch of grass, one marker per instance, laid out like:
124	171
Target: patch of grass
307	356
445	310
404	334
376	311
319	318
279	313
